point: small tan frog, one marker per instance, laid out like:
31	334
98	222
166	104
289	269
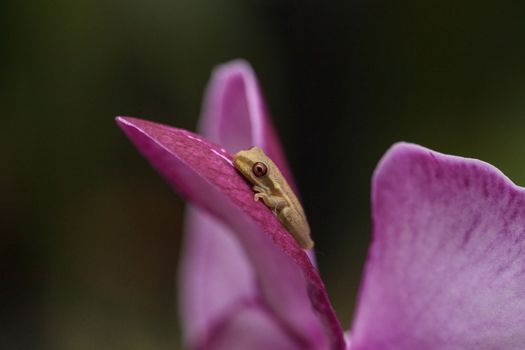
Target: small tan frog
270	186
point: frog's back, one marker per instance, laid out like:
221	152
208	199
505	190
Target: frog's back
300	223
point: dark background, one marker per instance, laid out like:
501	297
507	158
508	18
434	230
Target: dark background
90	234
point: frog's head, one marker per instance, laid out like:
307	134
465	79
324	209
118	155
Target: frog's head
255	166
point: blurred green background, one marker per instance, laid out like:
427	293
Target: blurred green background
90	234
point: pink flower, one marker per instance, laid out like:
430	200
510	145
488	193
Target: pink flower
446	268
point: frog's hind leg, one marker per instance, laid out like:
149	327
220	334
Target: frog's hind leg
286	216
289	219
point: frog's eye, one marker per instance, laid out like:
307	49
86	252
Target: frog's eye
259	169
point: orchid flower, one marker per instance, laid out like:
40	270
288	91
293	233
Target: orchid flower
445	269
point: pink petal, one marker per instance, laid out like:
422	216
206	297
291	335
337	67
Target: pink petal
235	117
289	284
446	269
253	328
215	274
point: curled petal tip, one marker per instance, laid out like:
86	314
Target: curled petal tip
238	65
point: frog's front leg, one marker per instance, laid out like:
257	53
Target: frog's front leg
259	189
273	202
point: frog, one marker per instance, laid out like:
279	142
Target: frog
271	187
